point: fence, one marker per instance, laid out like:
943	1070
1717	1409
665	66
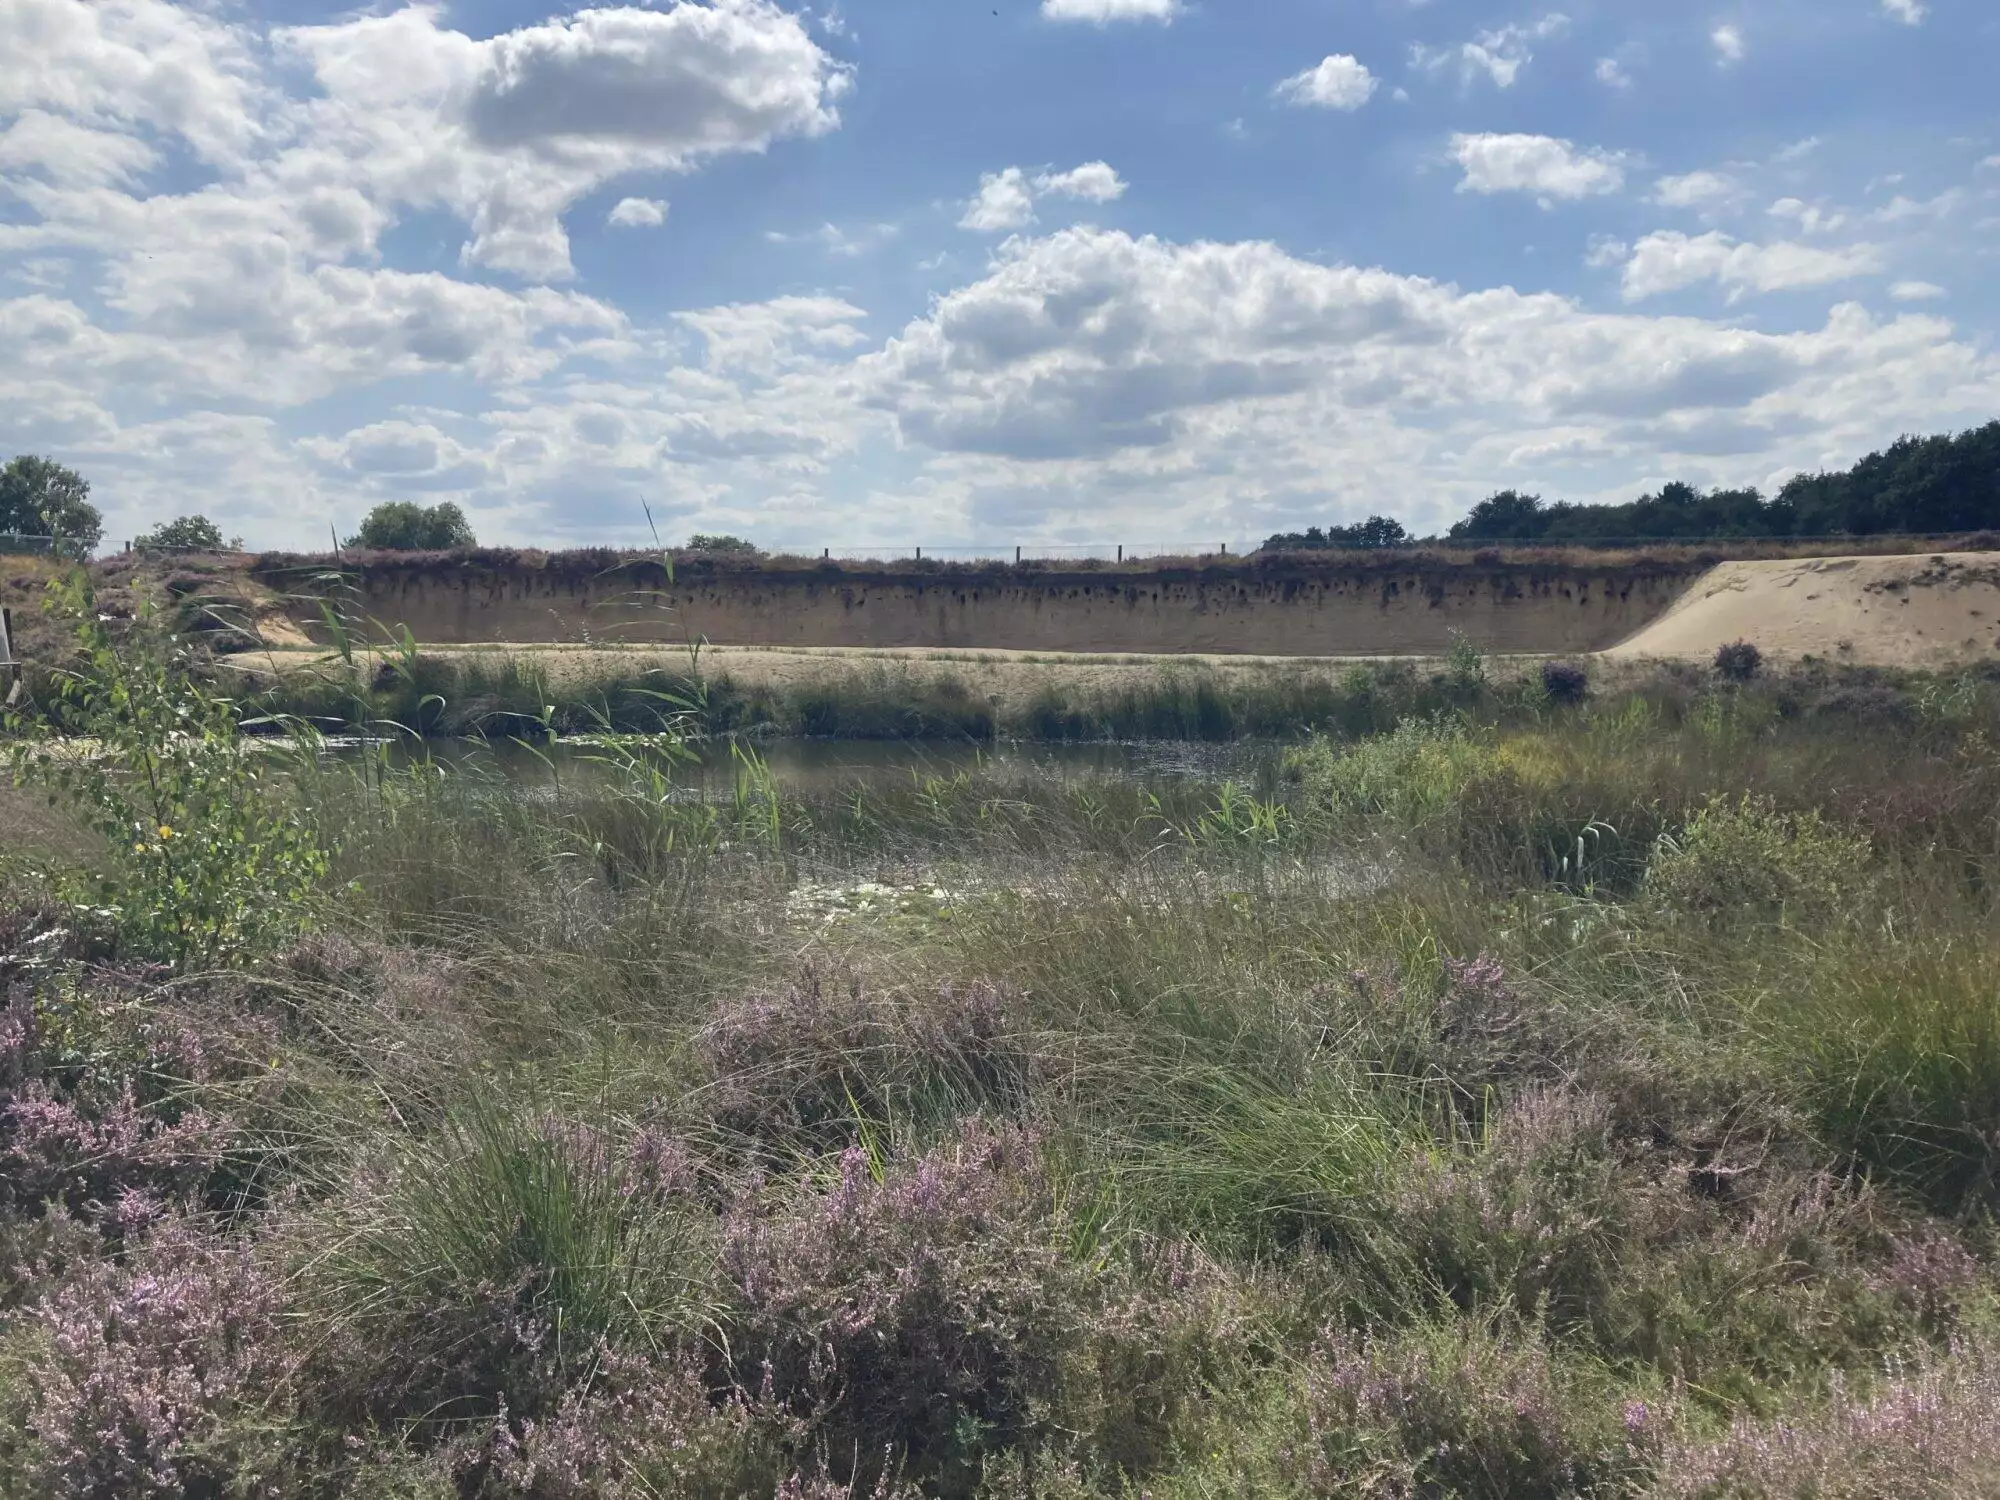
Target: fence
19	543
1018	552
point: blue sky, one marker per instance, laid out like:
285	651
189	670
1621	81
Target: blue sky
923	271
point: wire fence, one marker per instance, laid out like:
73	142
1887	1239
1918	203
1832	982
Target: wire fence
1019	552
21	543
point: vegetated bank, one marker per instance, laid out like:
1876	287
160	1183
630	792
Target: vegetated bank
1600	1102
1285	605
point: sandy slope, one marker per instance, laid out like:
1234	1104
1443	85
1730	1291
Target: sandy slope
1882	611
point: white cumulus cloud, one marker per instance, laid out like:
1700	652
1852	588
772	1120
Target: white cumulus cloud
1542	165
1730	48
1336	82
1498	55
1094	182
1695	190
637	213
1669	261
1917	291
1103	12
1909	12
1006	199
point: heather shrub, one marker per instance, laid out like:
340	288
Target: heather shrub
641	1427
807	1066
1458	1409
1922	1430
1738	662
95	1112
924	1304
1743	860
165	1376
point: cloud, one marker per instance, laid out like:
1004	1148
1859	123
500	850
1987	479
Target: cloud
767	336
507	132
1006	199
1498	55
637	213
1538	164
1669	261
1696	190
1730	48
1909	12
1110	376
1337	82
1611	73
1917	291
1103	12
849	243
1810	217
1094	182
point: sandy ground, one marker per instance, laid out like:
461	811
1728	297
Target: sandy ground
1935	611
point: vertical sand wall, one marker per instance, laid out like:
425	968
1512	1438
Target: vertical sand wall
1289	608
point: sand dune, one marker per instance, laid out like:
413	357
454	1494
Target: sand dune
1931	611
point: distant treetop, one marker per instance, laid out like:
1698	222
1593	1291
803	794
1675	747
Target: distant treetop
401	526
187	534
39	497
1376	531
723	545
1926	486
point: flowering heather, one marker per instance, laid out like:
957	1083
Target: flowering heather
1924	1432
928	1308
147	1363
800	1064
1458	1412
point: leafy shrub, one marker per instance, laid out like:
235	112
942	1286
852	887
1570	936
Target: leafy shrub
722	545
1738	662
1415	776
1746	860
208	857
186	534
1464	664
1565	681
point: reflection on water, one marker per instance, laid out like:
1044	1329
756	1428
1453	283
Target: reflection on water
811	768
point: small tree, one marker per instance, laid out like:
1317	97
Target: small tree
1565	681
1739	661
400	526
722	545
39	497
186	534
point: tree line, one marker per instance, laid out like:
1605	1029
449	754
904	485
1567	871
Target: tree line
1925	485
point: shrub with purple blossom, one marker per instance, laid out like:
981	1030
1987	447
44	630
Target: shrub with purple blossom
1928	1431
160	1377
928	1308
798	1066
1460	1411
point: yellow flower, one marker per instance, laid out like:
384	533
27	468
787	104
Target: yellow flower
166	832
138	848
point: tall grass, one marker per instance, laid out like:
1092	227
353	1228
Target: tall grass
1512	1099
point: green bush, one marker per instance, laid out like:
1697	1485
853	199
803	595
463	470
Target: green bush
207	855
1744	860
